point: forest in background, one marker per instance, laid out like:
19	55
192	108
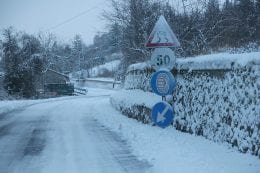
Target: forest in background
202	27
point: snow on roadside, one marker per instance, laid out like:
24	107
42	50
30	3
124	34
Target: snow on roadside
10	105
166	149
6	106
129	98
218	61
173	151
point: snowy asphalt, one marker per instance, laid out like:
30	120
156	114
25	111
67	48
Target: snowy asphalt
63	136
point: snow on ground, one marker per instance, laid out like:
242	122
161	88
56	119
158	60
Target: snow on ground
7	106
167	150
129	98
99	91
173	151
105	83
110	66
102	79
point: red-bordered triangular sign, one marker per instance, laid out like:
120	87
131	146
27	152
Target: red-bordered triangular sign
162	35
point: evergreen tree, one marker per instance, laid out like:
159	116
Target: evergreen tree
257	13
212	28
31	65
77	53
11	61
246	29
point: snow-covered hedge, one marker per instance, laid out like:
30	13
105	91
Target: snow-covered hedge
217	98
138	76
135	104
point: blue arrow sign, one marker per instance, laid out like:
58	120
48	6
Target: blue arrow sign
163	83
162	114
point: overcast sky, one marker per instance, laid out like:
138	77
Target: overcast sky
33	16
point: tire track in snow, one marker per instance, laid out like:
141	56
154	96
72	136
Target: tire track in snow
117	147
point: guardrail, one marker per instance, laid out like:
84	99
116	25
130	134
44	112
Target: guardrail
80	91
102	81
99	83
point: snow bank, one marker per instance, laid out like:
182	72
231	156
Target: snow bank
11	105
137	105
219	100
169	150
99	70
218	61
6	106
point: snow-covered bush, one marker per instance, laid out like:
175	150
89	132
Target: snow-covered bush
138	76
215	98
135	104
222	106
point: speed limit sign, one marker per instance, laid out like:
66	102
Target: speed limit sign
163	58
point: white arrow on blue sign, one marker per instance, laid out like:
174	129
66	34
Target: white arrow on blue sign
162	114
163	83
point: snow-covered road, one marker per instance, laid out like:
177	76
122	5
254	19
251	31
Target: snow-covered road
86	134
63	136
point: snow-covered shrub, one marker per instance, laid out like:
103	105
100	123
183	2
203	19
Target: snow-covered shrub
138	77
221	106
135	104
215	98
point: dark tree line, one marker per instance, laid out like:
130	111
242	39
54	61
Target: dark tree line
25	57
202	28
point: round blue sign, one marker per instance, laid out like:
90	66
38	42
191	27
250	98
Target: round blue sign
163	83
162	114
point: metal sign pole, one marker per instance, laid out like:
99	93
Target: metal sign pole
163	98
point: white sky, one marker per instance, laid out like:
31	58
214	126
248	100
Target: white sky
33	16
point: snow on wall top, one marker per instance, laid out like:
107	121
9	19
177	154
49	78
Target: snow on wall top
211	61
138	97
218	61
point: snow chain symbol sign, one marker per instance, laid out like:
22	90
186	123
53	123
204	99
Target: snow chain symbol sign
162	37
162	83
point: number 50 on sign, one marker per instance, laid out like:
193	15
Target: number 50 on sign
163	58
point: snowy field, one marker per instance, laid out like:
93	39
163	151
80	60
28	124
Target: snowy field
109	66
100	70
76	141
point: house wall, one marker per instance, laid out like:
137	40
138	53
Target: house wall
50	77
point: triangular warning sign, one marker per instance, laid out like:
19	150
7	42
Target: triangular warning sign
162	35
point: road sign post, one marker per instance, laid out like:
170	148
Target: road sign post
162	81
